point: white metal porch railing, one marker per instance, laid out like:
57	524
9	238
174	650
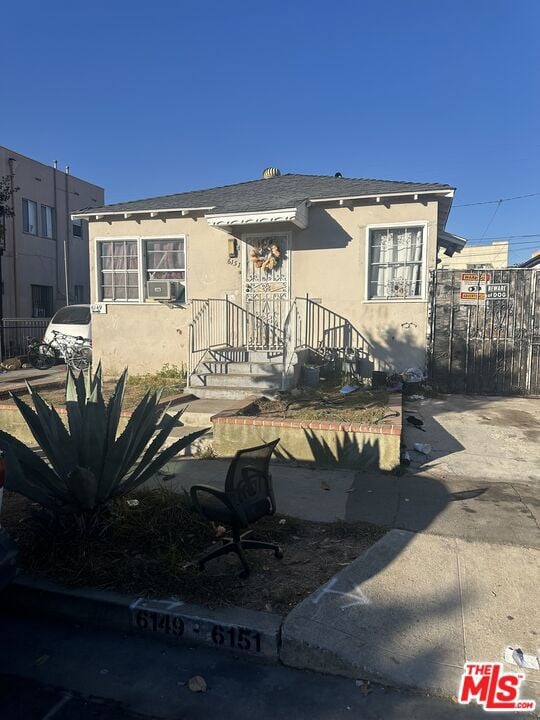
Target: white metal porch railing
303	324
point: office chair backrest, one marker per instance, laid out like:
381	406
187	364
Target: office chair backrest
251	487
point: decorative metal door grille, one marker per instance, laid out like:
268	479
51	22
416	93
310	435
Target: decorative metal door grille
266	288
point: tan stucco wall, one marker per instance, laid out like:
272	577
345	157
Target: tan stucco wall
145	336
327	262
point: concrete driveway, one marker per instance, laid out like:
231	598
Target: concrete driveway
496	438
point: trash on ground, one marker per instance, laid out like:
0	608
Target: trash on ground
282	521
405	458
424	448
132	503
413	375
415	422
348	389
197	684
416	397
516	656
325	485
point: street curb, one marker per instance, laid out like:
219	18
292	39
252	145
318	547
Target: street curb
245	632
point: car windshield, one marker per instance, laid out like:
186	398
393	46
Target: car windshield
73	315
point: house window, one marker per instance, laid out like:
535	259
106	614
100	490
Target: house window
166	260
119	270
396	257
47	222
78	293
77	228
42	301
29	216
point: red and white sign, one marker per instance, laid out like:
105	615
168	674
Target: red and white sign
473	287
489	685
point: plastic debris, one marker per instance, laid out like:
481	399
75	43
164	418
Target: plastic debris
197	684
348	389
416	422
413	375
132	503
416	397
282	521
516	656
424	448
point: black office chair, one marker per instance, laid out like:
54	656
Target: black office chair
248	496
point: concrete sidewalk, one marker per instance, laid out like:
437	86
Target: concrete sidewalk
470	509
413	608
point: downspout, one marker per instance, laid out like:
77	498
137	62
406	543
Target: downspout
66	239
55	218
12	188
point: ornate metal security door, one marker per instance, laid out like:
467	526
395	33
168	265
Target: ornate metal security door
266	288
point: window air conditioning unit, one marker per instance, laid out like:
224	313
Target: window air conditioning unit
166	290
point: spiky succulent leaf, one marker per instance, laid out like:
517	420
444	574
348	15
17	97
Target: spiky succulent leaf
137	479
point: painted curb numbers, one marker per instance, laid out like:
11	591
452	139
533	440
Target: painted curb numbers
164	617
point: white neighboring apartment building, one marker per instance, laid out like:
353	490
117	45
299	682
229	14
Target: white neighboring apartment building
33	264
490	255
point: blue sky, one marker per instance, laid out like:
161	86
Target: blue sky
155	98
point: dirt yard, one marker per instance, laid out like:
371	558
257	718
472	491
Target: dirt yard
325	403
150	549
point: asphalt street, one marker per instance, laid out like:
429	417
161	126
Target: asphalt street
56	671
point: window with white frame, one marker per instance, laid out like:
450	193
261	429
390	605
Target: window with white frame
47	222
29	216
118	270
165	259
396	257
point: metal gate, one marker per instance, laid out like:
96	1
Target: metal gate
266	288
485	331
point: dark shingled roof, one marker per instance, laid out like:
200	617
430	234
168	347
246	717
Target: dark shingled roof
285	191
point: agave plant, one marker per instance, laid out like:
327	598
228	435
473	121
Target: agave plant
88	461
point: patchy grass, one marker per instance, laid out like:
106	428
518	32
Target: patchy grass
171	379
151	549
326	403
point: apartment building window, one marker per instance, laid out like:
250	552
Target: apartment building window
42	301
29	217
78	293
119	270
47	222
396	258
77	228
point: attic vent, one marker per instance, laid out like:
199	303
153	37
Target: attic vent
271	172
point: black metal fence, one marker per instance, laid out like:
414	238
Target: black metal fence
15	333
485	331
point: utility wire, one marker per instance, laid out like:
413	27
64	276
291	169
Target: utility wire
492	219
493	202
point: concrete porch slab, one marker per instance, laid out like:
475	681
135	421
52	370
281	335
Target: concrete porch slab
198	411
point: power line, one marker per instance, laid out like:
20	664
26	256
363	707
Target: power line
500	200
505	237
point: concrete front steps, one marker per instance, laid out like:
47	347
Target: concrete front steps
237	373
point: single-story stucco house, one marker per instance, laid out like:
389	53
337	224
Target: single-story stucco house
239	282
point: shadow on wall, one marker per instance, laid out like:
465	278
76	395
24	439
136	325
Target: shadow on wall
399	348
329	233
342	452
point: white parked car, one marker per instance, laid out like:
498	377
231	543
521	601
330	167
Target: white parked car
70	320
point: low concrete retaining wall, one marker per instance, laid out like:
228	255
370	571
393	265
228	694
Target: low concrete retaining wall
317	443
12	422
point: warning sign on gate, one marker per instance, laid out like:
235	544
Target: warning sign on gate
473	288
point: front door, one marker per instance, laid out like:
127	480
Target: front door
266	288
